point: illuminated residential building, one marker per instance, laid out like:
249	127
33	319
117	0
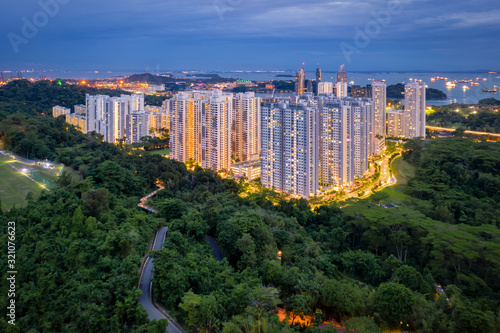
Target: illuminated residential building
249	169
77	120
289	154
107	115
80	109
414	104
60	111
345	138
216	132
396	123
137	126
200	128
379	97
325	88
341	89
245	126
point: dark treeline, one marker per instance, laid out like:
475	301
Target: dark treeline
372	268
38	98
484	121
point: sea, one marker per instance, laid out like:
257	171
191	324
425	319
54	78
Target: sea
461	93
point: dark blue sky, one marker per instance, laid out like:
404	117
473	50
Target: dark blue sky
441	35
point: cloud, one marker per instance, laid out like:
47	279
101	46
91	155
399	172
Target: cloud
463	19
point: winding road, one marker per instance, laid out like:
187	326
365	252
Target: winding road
145	281
145	284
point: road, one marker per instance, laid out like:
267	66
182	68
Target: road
145	285
386	179
215	248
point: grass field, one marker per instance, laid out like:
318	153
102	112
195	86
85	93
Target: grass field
165	151
402	170
14	185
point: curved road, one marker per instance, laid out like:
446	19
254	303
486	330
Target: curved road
145	285
215	248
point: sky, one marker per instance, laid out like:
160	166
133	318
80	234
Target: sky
366	35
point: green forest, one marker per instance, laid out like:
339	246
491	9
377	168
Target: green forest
370	266
482	117
397	91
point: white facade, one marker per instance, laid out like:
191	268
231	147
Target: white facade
290	149
245	126
341	89
396	123
272	145
379	97
325	88
107	115
137	126
415	110
216	132
345	139
59	111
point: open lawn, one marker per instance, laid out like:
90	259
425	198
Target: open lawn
14	185
402	170
165	151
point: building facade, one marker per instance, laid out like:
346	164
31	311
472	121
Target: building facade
379	98
245	127
107	115
137	126
325	88
300	81
396	123
414	104
60	111
345	139
289	153
200	128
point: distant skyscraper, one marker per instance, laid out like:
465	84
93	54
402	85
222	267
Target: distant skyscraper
325	88
318	75
289	147
309	86
415	110
300	81
379	116
245	127
341	74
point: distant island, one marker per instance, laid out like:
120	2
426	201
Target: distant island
285	75
397	91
